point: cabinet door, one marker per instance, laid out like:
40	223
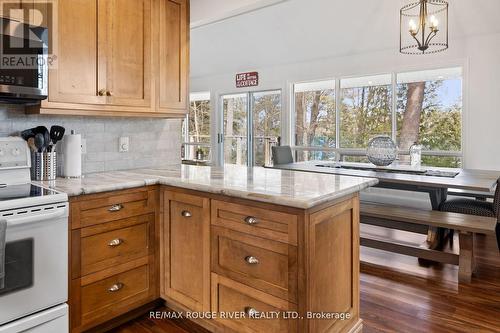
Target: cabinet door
127	42
185	246
173	30
73	77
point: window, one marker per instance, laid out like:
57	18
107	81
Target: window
419	106
315	119
251	118
198	119
429	111
196	127
365	109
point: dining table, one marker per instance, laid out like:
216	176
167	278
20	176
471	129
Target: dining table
437	182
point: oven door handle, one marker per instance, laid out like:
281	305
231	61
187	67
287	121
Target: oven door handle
16	221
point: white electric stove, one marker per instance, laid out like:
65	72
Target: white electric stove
34	289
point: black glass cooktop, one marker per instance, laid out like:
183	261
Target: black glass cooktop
21	191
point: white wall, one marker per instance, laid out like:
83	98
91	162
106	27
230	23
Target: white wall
479	54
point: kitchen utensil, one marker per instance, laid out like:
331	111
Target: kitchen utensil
39	142
31	144
27	134
56	134
46	136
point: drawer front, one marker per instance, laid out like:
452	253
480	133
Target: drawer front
116	242
260	222
260	263
113	207
104	299
229	296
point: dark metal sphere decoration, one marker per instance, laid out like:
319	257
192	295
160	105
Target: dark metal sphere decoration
424	27
381	151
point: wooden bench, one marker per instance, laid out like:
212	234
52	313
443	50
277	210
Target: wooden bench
418	221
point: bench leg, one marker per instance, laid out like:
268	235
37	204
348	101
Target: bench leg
466	263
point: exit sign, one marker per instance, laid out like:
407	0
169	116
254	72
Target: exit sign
250	79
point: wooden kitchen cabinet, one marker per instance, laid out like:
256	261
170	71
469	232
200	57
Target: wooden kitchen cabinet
113	255
264	258
185	250
172	27
119	58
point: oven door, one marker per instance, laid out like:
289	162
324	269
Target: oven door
36	261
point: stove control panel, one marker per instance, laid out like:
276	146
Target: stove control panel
14	153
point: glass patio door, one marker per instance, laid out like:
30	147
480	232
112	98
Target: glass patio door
251	125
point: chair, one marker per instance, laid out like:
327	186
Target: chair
282	155
477	207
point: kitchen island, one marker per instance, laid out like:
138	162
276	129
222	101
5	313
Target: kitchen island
249	249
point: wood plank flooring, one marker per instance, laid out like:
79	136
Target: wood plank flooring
398	295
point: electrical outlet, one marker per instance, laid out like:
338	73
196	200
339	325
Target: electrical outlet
124	144
84	146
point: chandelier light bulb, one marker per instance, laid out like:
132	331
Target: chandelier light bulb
434	22
413	27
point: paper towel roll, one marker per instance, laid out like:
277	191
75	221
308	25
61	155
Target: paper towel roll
72	155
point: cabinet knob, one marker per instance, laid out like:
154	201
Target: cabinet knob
101	92
109	93
115	208
186	213
251	312
251	220
252	260
116	287
115	242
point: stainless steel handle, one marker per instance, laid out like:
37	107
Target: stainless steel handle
251	312
116	287
115	242
115	208
101	92
252	260
251	220
186	213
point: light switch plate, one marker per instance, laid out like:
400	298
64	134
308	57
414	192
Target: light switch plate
124	144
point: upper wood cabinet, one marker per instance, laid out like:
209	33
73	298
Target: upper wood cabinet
173	67
125	50
119	57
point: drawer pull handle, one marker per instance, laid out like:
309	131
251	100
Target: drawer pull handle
115	242
115	208
252	260
251	312
251	220
116	287
186	213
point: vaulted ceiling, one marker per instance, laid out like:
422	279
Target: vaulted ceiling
241	35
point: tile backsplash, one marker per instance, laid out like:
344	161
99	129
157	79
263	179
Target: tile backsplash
153	142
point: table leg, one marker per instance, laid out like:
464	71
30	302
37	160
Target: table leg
436	236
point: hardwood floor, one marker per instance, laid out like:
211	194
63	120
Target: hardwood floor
398	295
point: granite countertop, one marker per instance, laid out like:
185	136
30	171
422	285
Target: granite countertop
284	187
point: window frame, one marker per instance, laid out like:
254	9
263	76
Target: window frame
343	152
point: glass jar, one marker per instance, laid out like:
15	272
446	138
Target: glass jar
416	155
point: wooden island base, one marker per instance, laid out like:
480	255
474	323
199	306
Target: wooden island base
237	257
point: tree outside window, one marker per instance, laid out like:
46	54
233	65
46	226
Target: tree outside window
429	112
365	109
198	120
315	118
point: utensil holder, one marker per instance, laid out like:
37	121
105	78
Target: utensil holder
44	166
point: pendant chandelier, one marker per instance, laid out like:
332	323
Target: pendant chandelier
424	27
